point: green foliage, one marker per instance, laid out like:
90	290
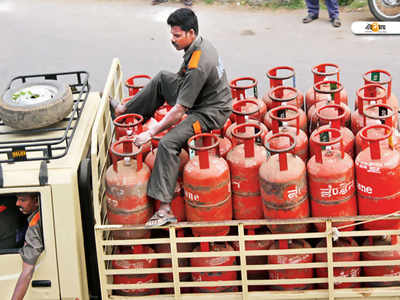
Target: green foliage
358	4
291	4
345	2
294	4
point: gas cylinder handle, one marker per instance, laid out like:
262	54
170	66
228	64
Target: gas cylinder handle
283	151
248	139
130	83
238	91
127	151
241	116
320	72
335	120
335	92
337	139
277	80
277	94
204	159
373	95
375	149
317	87
388	118
382	82
128	121
273	113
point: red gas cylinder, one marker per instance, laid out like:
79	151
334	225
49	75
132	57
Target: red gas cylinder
284	187
222	131
207	186
255	260
366	95
160	113
280	122
238	90
130	125
331	180
332	93
183	156
277	95
126	190
167	263
136	83
378	184
135	278
335	122
321	73
244	162
155	140
384	114
213	262
339	272
291	259
275	80
177	203
225	144
243	117
393	270
384	78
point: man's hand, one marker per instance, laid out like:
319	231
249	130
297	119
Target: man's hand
142	138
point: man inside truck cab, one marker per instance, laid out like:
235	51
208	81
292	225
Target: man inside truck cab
199	89
11	224
28	204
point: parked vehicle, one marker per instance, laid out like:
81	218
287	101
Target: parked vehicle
385	10
66	164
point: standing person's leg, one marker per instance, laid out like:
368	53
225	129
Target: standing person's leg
333	10
312	11
163	87
166	167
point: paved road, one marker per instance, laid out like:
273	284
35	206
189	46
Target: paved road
63	35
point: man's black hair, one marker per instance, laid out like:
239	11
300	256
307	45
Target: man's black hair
185	18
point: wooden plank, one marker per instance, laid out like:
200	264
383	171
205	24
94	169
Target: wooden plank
243	262
175	265
365	263
329	246
110	272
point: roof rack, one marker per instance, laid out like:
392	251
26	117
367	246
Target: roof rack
50	142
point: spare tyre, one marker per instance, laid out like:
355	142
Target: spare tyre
36	105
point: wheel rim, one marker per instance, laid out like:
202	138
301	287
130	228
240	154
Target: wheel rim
389	9
34	94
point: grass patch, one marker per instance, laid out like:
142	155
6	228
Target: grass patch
291	4
358	4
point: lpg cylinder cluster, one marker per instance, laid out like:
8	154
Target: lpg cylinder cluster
282	156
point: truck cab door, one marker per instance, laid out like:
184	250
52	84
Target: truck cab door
45	281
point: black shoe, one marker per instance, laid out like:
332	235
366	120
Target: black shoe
336	22
155	2
188	2
309	18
